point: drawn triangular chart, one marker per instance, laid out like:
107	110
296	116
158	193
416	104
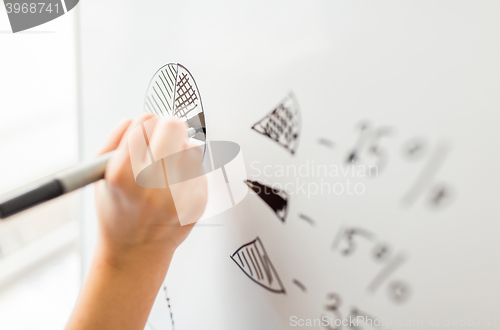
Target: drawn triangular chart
254	262
282	124
276	199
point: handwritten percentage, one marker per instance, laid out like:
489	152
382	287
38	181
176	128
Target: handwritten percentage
398	290
438	194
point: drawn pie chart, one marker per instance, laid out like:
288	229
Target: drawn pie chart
173	92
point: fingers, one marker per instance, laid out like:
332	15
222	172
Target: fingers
147	140
115	137
134	126
168	137
119	170
138	121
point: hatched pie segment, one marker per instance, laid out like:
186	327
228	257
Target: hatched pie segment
255	263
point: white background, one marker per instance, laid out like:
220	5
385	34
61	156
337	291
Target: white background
424	68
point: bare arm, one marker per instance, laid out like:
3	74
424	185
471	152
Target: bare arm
139	231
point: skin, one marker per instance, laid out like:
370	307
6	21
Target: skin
139	231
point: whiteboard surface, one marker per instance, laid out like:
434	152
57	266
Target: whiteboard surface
395	80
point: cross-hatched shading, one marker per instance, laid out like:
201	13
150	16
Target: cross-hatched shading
282	124
185	100
173	92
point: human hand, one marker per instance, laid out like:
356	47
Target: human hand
139	228
134	218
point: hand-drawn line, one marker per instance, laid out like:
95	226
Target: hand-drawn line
165	83
381	252
163	93
186	97
259	269
156	92
424	179
168	82
169	307
172	92
282	124
306	218
440	195
276	199
415	149
327	143
300	285
153	105
386	272
150	108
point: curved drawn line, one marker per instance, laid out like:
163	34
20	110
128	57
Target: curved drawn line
241	247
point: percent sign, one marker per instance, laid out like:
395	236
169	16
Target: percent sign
398	291
438	194
345	241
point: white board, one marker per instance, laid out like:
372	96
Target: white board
411	87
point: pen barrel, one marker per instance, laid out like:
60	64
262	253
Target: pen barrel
43	193
82	175
65	182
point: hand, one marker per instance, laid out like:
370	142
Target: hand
133	217
139	229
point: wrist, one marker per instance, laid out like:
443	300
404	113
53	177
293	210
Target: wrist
151	257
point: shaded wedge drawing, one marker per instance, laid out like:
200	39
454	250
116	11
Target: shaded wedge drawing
276	199
255	263
282	124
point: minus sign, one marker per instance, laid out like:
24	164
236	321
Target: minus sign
326	143
306	218
300	285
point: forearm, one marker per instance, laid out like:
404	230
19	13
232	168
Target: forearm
120	289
